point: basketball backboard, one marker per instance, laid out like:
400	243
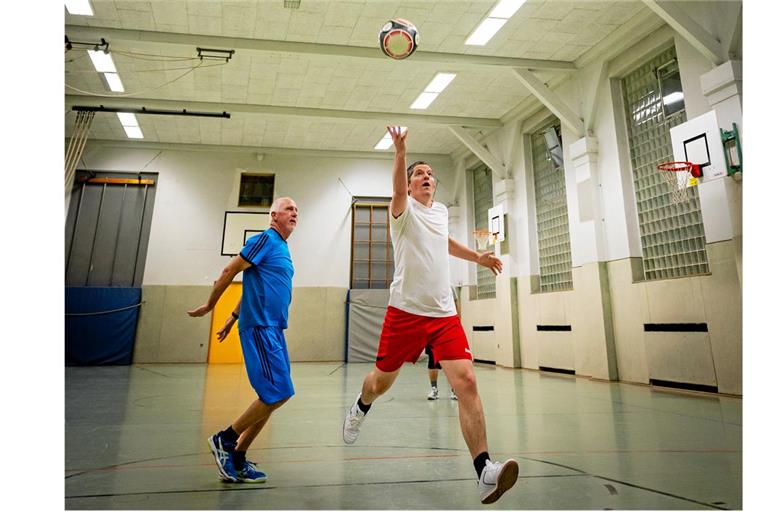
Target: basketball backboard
496	222
698	141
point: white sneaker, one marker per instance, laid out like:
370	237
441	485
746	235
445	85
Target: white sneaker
496	479
453	395
352	422
432	395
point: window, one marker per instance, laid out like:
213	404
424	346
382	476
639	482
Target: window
551	212
256	190
671	235
373	263
482	195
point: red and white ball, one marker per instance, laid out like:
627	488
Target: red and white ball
398	38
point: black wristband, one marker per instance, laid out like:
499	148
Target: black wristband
235	315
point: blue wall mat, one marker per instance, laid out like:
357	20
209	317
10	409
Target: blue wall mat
100	325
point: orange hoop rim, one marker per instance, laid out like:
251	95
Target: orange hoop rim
675	166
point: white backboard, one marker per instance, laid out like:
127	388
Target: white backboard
496	222
698	141
238	226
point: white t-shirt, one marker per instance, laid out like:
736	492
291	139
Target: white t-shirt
421	285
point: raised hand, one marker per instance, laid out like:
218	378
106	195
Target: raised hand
488	260
398	134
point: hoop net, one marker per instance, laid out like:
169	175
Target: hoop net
678	184
483	238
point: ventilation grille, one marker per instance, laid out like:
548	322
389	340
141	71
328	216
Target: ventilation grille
557	370
553	327
691	327
683	385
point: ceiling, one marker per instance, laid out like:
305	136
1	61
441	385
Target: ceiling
313	78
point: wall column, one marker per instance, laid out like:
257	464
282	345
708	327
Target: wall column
722	88
595	349
507	328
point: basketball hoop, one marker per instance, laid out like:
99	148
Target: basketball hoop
482	238
678	183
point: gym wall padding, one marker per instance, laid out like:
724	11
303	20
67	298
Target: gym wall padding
100	325
366	316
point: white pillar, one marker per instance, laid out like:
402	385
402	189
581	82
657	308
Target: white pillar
595	354
506	328
722	88
586	217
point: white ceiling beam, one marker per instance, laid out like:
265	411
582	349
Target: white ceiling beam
551	100
691	31
592	90
402	119
480	151
94	144
459	175
241	44
734	47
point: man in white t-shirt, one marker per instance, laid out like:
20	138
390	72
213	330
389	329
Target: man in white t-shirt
421	312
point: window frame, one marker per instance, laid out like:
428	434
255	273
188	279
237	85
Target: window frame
371	204
252	204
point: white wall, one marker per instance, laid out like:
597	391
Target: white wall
195	188
613	235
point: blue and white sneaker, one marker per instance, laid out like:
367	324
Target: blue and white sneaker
250	475
223	458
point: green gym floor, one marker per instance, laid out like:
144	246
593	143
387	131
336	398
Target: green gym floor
136	439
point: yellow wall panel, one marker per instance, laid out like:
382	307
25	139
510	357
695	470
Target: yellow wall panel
229	350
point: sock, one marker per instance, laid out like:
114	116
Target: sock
362	406
238	458
480	462
229	438
434	383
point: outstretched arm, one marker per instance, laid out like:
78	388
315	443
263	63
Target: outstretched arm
235	266
486	259
399	174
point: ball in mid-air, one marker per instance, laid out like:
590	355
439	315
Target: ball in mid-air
398	38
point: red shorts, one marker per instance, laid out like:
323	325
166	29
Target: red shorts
404	337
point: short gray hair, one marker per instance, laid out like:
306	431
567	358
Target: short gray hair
276	204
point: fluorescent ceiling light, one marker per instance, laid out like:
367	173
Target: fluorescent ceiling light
672	98
133	132
506	8
102	61
485	31
127	119
130	125
386	141
440	82
115	84
424	100
81	7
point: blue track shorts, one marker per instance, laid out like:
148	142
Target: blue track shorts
267	363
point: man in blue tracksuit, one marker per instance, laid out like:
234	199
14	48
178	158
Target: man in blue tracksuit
263	316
